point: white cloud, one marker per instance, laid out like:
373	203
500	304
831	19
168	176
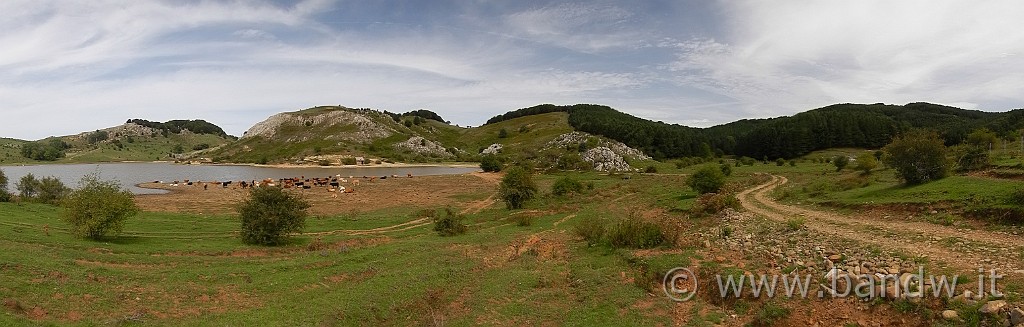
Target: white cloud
785	57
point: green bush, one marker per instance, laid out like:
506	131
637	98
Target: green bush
449	224
98	208
51	190
726	169
566	185
5	195
27	186
270	214
917	157
651	169
840	162
866	162
969	157
780	162
634	232
348	161
769	314
592	230
503	133
1016	197
709	179
517	187
792	163
490	163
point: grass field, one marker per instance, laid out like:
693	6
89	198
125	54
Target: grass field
179	269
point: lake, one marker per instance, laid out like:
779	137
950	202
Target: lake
130	174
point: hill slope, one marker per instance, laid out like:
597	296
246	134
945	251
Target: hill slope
338	135
136	140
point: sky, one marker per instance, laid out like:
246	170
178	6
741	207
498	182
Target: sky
71	66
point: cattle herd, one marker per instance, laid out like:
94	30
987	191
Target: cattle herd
333	184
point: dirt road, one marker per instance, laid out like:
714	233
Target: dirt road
966	249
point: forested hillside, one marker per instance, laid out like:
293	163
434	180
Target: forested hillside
841	125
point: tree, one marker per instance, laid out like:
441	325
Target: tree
517	187
270	214
5	196
840	162
917	157
490	163
27	187
51	190
98	208
866	162
983	138
708	179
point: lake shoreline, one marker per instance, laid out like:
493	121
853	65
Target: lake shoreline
288	166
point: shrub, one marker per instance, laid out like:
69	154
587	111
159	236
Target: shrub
566	185
27	187
713	203
840	161
795	223
634	232
5	196
348	161
792	163
503	133
780	162
1016	197
51	190
98	208
517	187
200	147
490	163
592	230
726	169
709	179
969	157
866	162
651	169
449	224
917	157
269	214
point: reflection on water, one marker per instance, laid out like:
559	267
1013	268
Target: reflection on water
130	174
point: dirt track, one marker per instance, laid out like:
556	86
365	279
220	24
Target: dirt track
987	249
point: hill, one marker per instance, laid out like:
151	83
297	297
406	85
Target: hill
136	140
333	135
841	125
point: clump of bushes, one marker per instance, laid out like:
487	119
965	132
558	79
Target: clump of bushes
709	179
566	185
98	208
866	162
49	190
5	196
630	232
517	187
726	169
917	157
840	162
712	203
449	223
490	163
651	169
270	214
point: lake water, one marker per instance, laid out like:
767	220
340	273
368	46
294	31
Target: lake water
130	174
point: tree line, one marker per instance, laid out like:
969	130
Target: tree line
840	125
197	126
